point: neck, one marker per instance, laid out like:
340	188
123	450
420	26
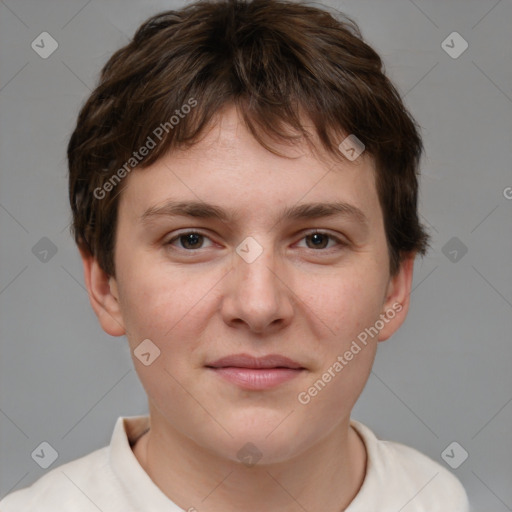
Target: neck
325	477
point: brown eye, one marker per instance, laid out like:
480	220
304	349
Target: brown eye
320	240
189	241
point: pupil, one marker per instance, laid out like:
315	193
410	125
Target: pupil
317	239
192	239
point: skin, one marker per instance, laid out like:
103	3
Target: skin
295	299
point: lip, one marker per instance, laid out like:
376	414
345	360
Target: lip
248	361
256	373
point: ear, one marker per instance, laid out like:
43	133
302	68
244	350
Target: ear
396	305
103	295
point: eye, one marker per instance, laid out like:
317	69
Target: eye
320	240
189	240
194	240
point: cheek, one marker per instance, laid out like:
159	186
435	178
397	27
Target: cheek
344	302
170	308
343	308
159	302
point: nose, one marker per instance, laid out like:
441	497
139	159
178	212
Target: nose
257	296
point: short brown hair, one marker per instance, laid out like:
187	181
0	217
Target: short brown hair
277	61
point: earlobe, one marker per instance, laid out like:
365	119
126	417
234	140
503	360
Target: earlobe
103	295
396	305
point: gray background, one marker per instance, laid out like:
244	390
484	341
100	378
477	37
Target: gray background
444	377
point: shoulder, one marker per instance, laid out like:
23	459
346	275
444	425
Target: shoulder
407	478
106	479
74	487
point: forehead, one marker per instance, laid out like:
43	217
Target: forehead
230	168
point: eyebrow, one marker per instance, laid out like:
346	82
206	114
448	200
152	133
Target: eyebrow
204	210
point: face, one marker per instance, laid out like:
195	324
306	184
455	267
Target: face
265	277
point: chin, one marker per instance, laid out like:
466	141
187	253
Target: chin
268	439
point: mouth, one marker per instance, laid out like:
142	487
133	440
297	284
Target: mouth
256	373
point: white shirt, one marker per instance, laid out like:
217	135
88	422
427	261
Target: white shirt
398	478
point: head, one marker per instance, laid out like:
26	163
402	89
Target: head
247	106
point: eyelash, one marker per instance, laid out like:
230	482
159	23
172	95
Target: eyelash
340	242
